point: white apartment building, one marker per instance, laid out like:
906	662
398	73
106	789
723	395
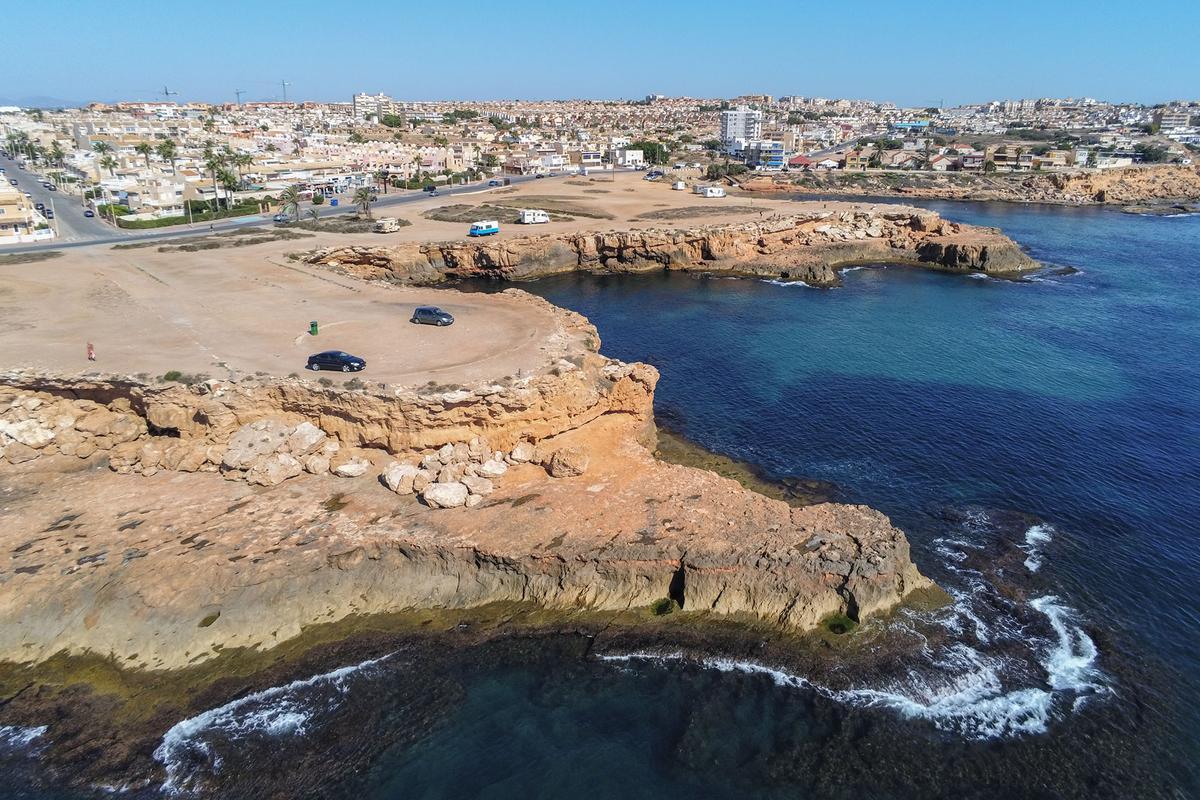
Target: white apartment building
743	123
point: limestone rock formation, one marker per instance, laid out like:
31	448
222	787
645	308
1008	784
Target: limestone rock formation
567	462
806	247
445	495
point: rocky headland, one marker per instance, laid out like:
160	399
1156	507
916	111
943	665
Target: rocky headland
1145	186
157	525
810	246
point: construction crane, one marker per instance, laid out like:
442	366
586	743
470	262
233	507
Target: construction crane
167	93
239	93
284	84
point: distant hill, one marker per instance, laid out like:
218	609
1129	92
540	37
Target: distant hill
40	101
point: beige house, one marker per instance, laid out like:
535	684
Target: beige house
18	220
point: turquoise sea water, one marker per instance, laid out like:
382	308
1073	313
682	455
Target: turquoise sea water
1038	440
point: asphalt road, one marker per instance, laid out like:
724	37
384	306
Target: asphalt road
69	221
77	230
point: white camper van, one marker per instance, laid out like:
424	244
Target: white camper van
712	191
532	216
387	225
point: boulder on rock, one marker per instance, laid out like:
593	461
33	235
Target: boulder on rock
477	485
304	439
522	452
568	462
399	477
253	441
353	468
445	495
492	468
274	469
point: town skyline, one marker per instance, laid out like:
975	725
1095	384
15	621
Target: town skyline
422	55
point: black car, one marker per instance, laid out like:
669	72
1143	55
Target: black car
431	315
335	359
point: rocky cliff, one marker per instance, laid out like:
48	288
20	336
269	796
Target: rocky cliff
161	571
1131	185
809	247
161	525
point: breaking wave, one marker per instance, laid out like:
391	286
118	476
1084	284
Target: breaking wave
17	737
775	282
1036	537
186	752
960	689
1007	670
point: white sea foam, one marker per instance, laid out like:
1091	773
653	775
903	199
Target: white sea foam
277	711
787	283
19	737
1035	539
961	689
1071	661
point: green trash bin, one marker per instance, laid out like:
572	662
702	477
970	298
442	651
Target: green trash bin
312	328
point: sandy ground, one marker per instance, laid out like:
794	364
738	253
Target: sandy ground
246	310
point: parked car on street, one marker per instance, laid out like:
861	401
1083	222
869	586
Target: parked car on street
431	315
87	212
494	182
281	219
335	359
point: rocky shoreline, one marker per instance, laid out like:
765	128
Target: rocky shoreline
810	246
172	546
1149	186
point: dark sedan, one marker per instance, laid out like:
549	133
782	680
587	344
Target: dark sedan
335	359
431	315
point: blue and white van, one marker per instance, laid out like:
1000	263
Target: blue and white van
485	227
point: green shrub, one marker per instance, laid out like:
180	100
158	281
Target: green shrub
663	606
173	375
318	199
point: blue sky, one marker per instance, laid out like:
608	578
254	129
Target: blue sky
914	53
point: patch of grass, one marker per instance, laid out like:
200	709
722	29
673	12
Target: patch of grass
461	212
187	378
335	503
29	258
325	381
838	624
688	212
663	606
350	223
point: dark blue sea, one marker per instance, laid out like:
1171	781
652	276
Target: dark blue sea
1039	442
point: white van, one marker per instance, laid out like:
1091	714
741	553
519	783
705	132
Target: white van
387	225
712	191
533	216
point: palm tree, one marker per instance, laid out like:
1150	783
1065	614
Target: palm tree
314	215
102	147
167	152
109	163
298	143
214	164
289	201
144	149
229	182
56	153
363	198
242	160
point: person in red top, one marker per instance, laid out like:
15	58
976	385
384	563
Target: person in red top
91	351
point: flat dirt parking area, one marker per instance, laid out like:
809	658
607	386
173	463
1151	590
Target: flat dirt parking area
247	311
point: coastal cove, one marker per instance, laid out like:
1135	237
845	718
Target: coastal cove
1033	438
